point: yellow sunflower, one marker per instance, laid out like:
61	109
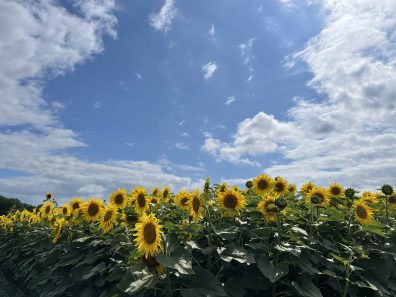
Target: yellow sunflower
222	188
196	206
165	194
75	205
65	210
108	218
307	188
318	197
231	199
148	235
57	228
155	191
46	209
182	199
154	200
151	262
119	198
291	188
279	186
262	184
336	190
48	196
363	212
268	208
141	200
92	209
370	197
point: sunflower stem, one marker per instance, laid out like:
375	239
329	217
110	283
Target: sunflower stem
386	212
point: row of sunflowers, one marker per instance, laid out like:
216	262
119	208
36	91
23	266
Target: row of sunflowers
312	242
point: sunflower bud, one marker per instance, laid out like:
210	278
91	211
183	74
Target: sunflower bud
281	203
249	184
387	189
315	199
350	193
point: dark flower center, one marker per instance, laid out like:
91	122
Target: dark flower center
93	209
76	205
141	199
335	191
119	199
230	201
165	193
361	212
279	187
262	184
108	215
184	201
64	210
47	209
196	203
149	233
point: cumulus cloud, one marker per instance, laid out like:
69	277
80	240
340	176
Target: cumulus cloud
162	21
209	69
351	135
40	40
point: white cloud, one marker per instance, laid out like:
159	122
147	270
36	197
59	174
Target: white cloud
249	78
287	3
97	105
212	31
182	146
162	21
229	100
139	76
38	40
247	56
185	134
209	69
351	135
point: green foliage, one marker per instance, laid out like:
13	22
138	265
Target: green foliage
11	204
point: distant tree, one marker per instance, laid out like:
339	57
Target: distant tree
9	204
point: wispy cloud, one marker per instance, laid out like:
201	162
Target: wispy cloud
229	100
209	69
182	146
139	76
212	31
97	105
162	21
246	53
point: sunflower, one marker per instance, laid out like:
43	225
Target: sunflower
182	199
66	210
291	188
76	204
46	209
151	262
307	188
155	191
196	206
233	200
119	198
318	197
148	235
141	200
108	218
221	188
279	186
48	196
57	228
262	184
392	200
154	200
92	209
370	197
363	212
336	190
268	208
165	194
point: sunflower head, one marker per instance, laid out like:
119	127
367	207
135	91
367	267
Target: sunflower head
262	184
207	184
350	193
232	200
195	205
370	197
148	235
142	203
75	205
269	209
221	188
48	196
155	191
318	197
119	198
108	218
291	188
65	210
307	188
336	190
279	186
182	199
387	189
46	209
165	194
249	184
92	209
363	213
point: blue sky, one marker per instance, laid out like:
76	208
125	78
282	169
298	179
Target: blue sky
102	94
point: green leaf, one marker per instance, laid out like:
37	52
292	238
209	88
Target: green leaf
233	252
134	281
305	287
204	279
180	260
273	273
300	230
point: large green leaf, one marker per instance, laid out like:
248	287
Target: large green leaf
271	271
180	260
204	279
233	252
305	287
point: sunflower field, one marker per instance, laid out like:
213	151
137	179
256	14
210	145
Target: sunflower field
268	239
